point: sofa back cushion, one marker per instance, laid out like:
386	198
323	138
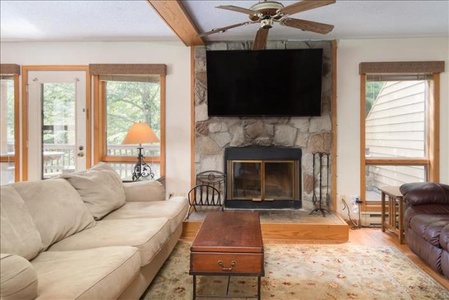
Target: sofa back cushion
56	208
421	193
100	188
19	234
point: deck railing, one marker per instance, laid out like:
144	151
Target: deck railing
60	158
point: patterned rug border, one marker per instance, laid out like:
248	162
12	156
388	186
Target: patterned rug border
319	274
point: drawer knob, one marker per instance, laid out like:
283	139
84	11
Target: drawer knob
223	268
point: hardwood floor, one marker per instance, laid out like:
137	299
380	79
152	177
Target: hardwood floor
375	237
361	236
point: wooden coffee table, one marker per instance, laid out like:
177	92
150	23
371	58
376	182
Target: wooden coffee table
228	244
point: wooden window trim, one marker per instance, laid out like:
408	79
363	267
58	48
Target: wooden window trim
9	69
432	162
15	71
99	92
128	69
401	67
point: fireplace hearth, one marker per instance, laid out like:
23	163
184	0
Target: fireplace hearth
263	177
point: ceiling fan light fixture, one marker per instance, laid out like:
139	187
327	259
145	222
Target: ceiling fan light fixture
266	23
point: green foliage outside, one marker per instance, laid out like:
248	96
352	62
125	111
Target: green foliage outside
373	89
58	113
129	102
8	85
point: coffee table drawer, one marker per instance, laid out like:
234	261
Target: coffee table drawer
229	263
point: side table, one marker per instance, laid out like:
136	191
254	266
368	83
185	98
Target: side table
392	217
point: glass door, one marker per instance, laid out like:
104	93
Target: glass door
247	180
57	123
279	180
261	180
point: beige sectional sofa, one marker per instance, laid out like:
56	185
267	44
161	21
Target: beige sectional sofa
86	235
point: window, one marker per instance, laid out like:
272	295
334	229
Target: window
9	118
123	97
399	125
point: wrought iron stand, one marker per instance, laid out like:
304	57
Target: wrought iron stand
142	169
314	197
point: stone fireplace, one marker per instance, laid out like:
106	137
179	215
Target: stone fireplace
213	135
263	177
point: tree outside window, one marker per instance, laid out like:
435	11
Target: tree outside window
7	129
127	99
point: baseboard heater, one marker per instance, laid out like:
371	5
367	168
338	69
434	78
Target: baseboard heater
371	219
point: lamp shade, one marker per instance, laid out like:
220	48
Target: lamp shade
140	133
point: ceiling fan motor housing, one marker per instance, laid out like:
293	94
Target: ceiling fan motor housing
265	10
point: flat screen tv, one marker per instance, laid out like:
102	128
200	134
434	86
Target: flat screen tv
264	82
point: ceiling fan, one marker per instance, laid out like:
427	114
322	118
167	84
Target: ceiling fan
268	12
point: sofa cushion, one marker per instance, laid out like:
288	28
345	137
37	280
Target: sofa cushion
444	238
425	250
56	208
429	227
445	263
148	235
19	234
175	209
19	280
425	209
100	188
142	191
100	273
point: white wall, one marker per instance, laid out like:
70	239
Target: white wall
349	54
177	58
175	55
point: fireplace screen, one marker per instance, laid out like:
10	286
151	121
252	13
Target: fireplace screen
259	180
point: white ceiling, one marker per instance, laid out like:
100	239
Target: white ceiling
136	20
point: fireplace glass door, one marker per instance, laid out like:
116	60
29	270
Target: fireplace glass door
261	180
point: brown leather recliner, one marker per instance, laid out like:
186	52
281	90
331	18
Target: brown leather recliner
426	222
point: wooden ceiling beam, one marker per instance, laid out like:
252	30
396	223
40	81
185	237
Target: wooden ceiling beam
177	18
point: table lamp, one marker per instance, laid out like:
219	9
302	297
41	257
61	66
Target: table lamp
141	133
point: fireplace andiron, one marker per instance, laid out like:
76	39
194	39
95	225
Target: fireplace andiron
320	170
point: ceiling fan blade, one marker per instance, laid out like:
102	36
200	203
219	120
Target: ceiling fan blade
303	6
307	25
260	42
238	9
223	29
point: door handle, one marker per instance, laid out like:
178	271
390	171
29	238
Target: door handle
80	154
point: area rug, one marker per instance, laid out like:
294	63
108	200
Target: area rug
312	271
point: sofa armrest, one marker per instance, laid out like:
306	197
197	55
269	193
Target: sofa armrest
18	278
143	191
420	193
